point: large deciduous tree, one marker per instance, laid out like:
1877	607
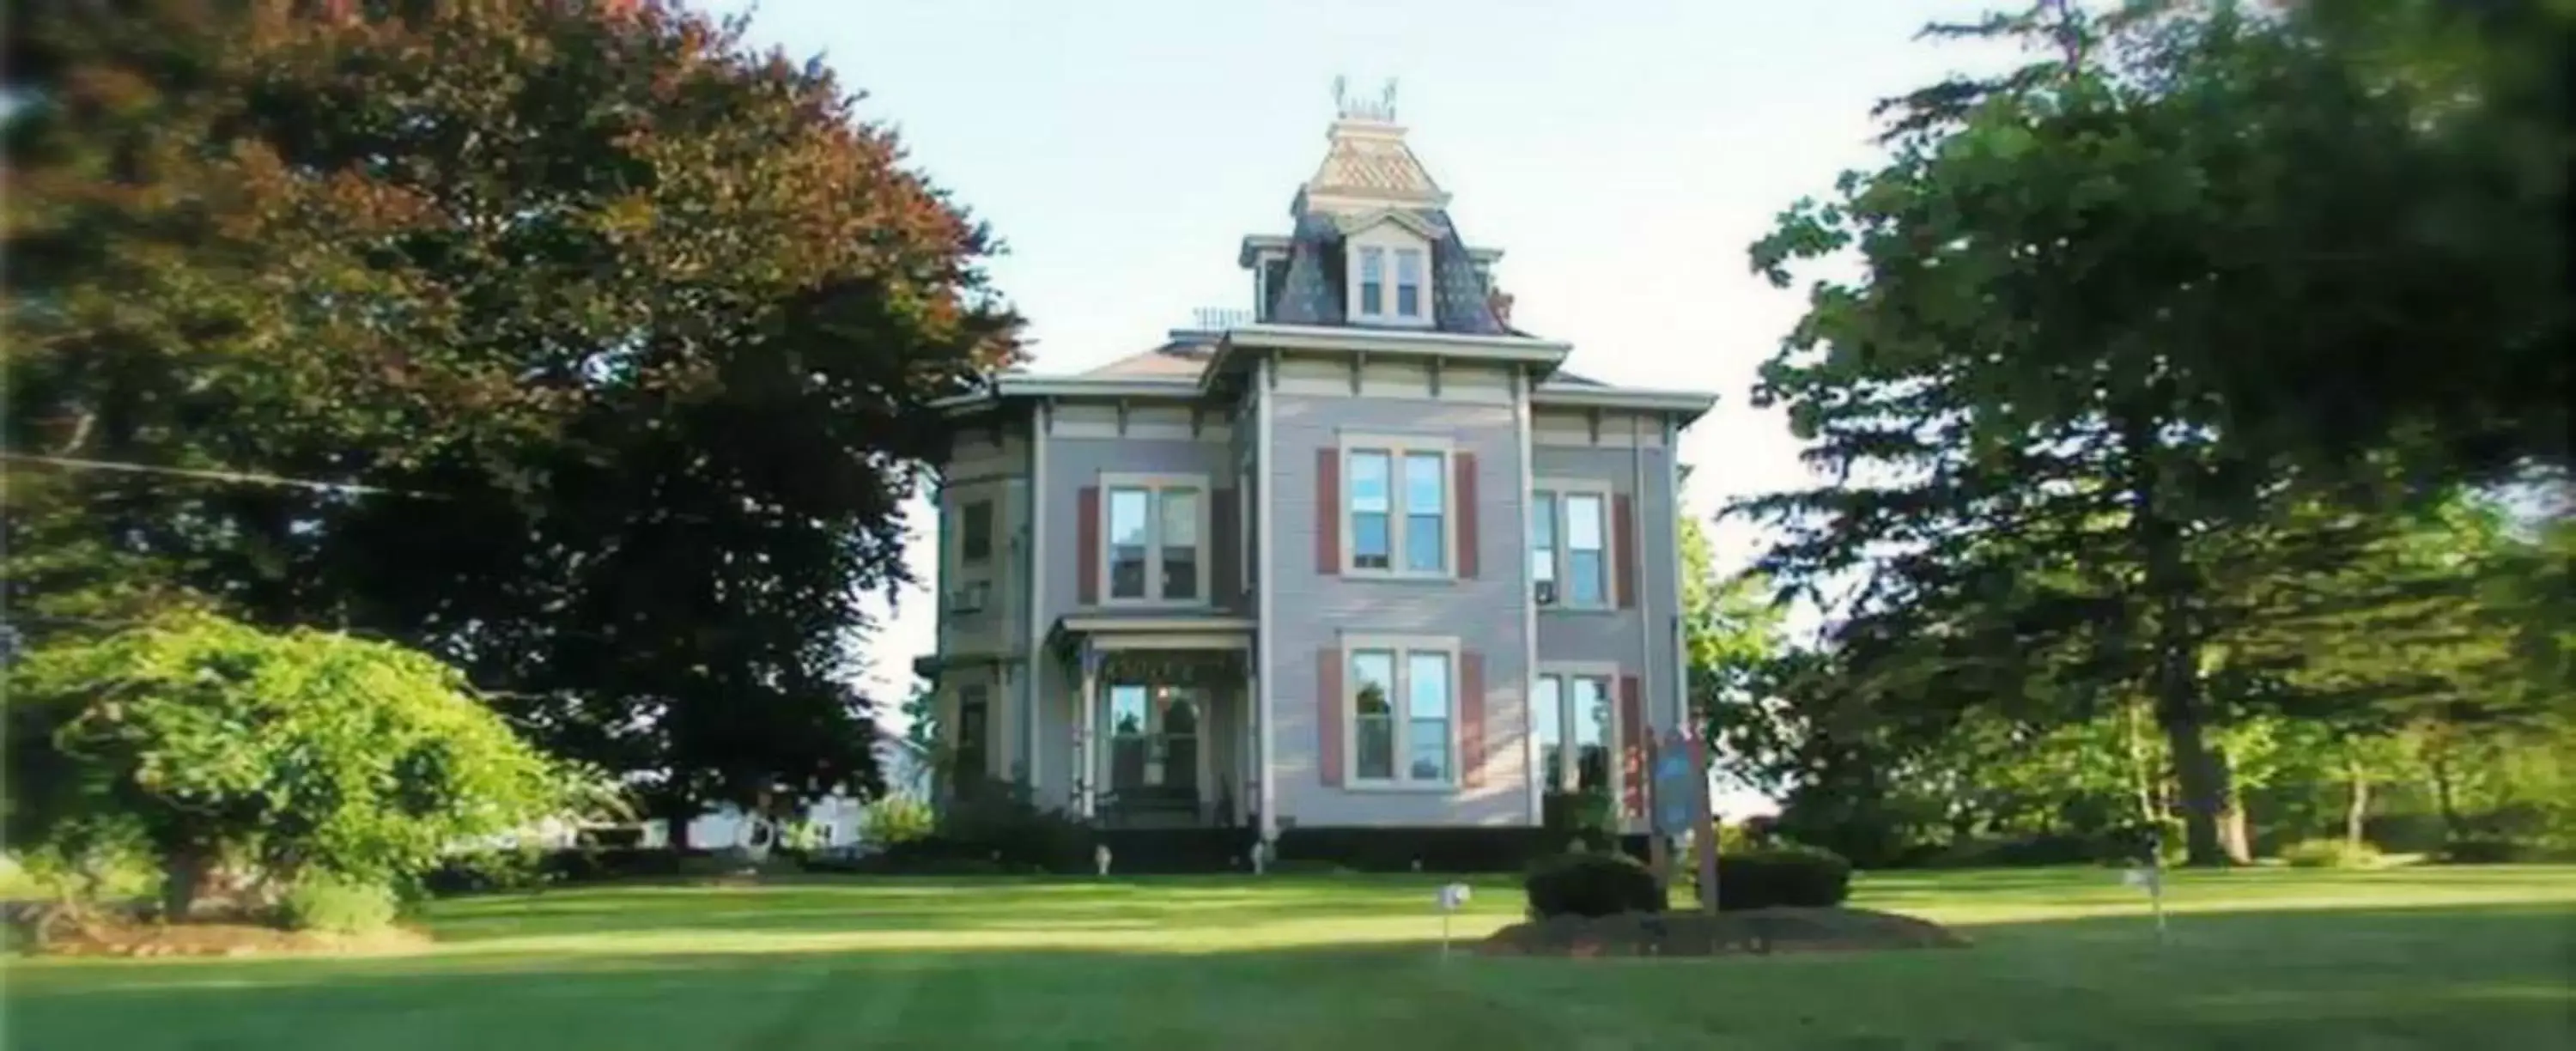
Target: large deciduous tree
578	343
2126	310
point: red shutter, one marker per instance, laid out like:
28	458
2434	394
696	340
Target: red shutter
1632	748
1623	525
1465	468
1328	716
1328	511
1471	719
1086	536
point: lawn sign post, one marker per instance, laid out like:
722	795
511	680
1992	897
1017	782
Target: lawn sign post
1681	804
1452	897
2151	877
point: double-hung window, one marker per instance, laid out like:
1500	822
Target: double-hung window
1408	282
1372	281
1570	539
1404	703
1399	506
1155	535
1575	721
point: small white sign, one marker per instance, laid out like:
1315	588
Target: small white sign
1453	897
1100	857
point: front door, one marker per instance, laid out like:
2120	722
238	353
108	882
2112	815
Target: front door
1155	760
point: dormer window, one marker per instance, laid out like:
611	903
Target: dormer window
1408	283
1372	282
1390	275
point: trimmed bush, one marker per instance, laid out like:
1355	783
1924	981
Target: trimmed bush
893	819
1592	885
2329	854
1791	877
336	905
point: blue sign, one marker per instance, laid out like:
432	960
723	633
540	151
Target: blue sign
1678	784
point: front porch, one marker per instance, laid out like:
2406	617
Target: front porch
1161	728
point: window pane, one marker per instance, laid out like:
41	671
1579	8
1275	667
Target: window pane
1126	711
1583	522
1127	535
1543	536
1547	717
1425	477
1592	715
1585	568
1373	713
1372	681
1369	482
1372	281
1585	534
1426	744
1368	541
1180	543
1376	744
1426	685
1372	496
1408	283
1425	540
975	531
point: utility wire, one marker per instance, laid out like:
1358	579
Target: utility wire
239	477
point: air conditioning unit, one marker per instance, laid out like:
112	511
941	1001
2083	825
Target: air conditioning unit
1546	590
968	598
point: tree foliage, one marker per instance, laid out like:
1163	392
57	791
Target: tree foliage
578	344
297	754
2142	354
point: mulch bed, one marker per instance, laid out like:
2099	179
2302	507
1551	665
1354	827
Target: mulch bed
67	933
1751	932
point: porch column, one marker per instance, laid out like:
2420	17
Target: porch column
1083	732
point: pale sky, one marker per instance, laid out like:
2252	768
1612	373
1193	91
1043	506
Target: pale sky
1622	155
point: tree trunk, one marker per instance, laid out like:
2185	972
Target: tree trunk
677	812
2211	836
187	866
2213	827
2445	800
2356	811
2232	834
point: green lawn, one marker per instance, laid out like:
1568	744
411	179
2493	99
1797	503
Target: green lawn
2469	958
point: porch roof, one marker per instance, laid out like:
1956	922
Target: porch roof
1152	630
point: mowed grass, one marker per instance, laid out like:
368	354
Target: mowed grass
2419	957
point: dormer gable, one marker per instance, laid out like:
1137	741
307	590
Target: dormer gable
1373	245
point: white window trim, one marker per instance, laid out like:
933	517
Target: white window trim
1565	672
1403	647
1563	552
1389	239
1153	596
1397	446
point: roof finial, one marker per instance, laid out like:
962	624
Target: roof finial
1353	107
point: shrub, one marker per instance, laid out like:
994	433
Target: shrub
889	820
1003	823
2330	854
225	744
1582	816
340	906
1592	885
1792	877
